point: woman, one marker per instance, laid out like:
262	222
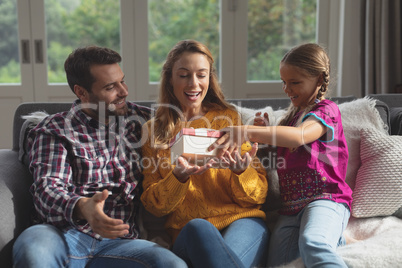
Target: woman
213	215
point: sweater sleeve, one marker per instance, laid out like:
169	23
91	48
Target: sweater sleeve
250	187
162	191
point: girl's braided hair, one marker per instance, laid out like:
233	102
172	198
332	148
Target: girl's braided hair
313	59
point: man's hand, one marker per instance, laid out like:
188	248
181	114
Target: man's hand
91	210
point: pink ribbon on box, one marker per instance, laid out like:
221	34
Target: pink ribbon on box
205	132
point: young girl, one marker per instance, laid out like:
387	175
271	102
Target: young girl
315	197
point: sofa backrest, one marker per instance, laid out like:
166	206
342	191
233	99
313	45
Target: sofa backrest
392	100
48	107
27	108
55	107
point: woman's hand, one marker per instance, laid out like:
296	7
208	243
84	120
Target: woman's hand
184	169
237	163
262	121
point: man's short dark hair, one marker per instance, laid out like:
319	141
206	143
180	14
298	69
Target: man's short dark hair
79	62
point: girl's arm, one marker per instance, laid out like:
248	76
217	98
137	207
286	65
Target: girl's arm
283	136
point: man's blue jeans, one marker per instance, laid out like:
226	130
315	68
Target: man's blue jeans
241	244
313	234
46	246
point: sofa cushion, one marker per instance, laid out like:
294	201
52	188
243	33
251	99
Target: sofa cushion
356	115
31	121
23	154
378	189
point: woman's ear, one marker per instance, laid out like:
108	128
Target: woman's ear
81	93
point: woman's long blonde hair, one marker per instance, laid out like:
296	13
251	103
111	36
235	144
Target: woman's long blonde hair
314	61
168	113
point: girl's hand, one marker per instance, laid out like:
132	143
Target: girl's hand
184	169
261	120
237	163
233	138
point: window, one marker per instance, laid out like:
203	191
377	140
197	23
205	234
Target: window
84	23
246	38
171	21
273	28
9	59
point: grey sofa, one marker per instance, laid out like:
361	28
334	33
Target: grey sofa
16	205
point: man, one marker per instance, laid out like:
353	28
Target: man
86	168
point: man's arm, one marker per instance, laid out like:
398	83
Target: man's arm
53	193
52	175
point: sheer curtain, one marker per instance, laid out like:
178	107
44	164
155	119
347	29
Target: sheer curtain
370	59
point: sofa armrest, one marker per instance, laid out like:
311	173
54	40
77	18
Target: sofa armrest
15	202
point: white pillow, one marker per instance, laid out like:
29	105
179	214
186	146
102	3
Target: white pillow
357	115
247	114
378	189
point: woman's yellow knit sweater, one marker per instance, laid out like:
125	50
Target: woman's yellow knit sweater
218	195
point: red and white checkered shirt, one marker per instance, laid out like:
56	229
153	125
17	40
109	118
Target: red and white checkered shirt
74	156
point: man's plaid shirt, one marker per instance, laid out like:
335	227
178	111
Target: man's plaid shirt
74	156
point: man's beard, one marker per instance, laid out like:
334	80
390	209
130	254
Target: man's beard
111	110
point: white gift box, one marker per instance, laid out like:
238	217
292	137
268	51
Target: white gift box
192	144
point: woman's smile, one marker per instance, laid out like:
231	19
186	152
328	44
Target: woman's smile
193	96
190	82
